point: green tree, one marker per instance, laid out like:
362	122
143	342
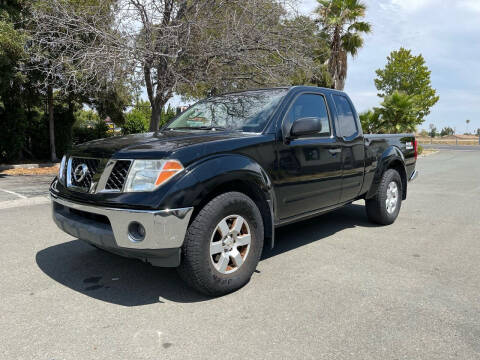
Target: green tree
13	117
89	126
478	132
167	114
135	122
433	131
112	101
143	107
370	121
54	60
86	117
407	73
342	21
396	114
446	131
317	49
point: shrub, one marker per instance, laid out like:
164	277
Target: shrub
424	133
86	118
136	121
420	149
88	126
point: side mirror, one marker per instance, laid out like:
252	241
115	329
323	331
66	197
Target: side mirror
306	126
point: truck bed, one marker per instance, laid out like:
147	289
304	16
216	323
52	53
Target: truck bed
377	144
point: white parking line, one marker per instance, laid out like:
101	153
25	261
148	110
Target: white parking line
14	193
38	200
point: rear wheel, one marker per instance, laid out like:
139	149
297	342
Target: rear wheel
384	207
223	245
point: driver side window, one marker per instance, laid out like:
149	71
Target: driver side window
310	105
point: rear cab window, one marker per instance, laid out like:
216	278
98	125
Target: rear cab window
346	119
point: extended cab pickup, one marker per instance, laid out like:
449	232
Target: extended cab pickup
206	192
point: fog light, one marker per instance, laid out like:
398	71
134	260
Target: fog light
136	232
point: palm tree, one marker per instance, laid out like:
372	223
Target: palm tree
341	21
468	122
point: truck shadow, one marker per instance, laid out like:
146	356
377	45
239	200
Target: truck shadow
130	282
292	236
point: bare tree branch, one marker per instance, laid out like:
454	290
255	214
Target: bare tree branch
167	45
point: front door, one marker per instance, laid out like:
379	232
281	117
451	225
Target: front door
309	175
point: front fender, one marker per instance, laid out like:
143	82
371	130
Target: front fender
391	157
231	172
201	178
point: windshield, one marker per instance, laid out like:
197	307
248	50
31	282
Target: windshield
248	111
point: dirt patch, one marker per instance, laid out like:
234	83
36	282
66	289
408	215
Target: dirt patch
451	140
427	152
53	170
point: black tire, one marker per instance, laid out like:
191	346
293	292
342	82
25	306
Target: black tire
196	268
376	206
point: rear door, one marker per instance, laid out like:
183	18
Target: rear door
310	167
353	149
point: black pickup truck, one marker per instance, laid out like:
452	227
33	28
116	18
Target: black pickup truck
206	192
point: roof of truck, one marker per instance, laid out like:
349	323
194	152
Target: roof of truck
296	87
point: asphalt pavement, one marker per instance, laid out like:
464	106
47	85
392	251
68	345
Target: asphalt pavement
24	189
335	287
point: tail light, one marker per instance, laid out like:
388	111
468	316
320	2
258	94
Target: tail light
415	147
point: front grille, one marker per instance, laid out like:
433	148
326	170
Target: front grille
117	177
83	179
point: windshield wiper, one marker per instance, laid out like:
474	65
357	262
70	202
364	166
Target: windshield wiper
214	128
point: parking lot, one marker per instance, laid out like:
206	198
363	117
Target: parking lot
335	287
15	188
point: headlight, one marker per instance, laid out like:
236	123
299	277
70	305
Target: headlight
61	170
147	175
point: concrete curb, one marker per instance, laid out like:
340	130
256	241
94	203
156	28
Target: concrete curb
26	166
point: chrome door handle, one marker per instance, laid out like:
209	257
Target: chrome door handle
334	151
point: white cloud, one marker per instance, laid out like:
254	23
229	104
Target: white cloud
413	5
307	6
473	5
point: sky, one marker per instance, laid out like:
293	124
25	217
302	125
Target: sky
446	33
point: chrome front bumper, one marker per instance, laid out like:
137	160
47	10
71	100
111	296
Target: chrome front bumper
164	229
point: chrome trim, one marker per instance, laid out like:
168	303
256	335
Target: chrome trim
61	170
99	180
414	175
69	172
105	175
95	178
165	229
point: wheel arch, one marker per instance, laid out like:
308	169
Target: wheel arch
392	158
228	173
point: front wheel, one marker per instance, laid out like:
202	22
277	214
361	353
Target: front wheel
223	245
384	207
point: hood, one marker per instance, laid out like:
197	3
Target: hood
153	145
